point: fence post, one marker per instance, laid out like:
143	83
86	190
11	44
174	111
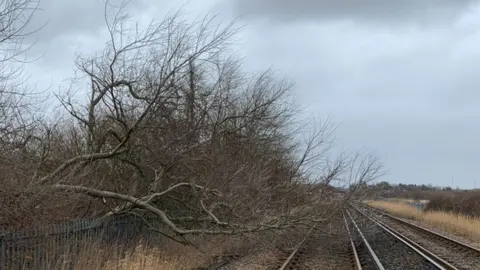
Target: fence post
2	253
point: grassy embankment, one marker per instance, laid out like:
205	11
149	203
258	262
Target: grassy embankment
457	224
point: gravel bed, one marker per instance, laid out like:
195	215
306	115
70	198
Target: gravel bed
366	260
328	249
331	247
364	256
392	253
455	255
261	260
327	252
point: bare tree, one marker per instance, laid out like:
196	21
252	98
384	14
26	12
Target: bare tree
15	27
19	130
174	128
15	106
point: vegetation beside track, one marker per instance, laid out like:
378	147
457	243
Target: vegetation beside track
456	224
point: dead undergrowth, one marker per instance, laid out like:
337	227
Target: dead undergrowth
456	224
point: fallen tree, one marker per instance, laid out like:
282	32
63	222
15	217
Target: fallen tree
172	126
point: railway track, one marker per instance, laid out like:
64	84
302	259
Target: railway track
452	253
385	248
363	255
294	259
331	249
378	240
373	245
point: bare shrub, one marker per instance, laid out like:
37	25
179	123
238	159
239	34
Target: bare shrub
17	108
171	125
466	203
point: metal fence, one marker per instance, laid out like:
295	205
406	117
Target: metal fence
43	248
418	205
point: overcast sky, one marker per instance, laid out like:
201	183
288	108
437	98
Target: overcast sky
399	77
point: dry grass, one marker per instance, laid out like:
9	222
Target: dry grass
400	200
173	256
148	259
169	254
255	251
459	225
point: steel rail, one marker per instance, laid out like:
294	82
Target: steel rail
432	258
358	265
378	264
410	224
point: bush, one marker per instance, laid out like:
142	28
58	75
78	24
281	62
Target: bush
466	203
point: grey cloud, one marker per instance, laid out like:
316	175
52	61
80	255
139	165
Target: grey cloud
70	17
384	11
419	150
78	26
64	22
409	94
69	25
67	17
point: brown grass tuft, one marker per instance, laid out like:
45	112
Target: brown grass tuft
456	224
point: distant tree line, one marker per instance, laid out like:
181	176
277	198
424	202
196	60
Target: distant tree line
386	189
